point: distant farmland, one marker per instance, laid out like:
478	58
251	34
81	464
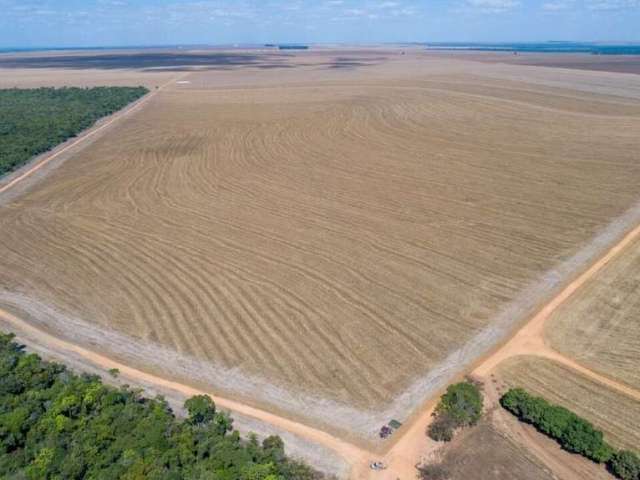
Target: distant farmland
326	246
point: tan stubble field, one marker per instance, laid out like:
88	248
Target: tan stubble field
323	240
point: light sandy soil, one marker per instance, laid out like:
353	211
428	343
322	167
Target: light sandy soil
397	116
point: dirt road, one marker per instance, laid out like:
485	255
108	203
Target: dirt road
406	450
530	339
350	452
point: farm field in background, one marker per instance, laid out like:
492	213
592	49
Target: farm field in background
324	246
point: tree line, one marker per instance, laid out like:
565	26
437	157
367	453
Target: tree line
573	433
57	424
33	121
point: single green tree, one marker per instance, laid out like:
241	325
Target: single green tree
201	409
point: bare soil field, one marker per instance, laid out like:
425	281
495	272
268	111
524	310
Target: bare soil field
483	453
599	327
617	415
334	235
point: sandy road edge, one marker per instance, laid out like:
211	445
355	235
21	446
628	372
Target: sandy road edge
530	338
403	454
351	453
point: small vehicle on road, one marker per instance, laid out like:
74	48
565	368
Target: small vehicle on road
378	466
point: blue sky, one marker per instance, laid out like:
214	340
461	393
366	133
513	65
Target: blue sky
25	23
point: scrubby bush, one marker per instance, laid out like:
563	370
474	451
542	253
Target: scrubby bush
625	465
433	472
442	428
460	406
56	424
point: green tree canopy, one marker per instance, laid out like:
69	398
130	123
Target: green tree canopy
55	424
572	432
33	121
460	406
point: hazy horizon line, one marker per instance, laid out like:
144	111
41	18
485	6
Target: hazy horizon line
346	43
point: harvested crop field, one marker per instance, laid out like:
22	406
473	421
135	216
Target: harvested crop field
599	326
617	415
333	238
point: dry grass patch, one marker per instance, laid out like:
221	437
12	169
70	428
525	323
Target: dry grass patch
615	414
600	325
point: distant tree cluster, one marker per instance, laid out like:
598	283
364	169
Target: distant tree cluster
460	406
55	424
33	121
573	433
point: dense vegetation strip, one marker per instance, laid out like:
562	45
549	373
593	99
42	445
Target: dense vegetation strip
573	433
33	121
460	406
56	424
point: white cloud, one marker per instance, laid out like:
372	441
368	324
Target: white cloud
612	4
558	5
493	6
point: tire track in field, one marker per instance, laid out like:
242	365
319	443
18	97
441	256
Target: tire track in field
337	352
135	283
248	343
